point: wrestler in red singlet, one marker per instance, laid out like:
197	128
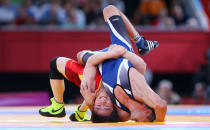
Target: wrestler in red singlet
74	71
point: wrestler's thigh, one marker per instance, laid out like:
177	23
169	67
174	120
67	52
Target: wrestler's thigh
61	64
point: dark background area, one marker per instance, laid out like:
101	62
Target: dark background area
20	82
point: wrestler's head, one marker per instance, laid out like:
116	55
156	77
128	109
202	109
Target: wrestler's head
103	109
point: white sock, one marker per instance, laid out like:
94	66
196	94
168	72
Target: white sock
136	38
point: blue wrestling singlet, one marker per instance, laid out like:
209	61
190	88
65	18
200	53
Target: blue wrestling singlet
116	71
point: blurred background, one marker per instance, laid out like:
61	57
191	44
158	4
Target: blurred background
32	32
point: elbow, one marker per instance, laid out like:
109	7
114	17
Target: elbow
161	110
79	55
162	107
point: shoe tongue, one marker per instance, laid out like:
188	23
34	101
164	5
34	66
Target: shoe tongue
52	100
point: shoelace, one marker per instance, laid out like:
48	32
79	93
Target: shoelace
150	45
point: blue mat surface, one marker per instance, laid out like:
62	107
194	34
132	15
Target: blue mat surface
27	118
200	110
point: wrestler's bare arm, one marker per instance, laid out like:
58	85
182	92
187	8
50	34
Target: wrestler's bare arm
80	54
89	73
115	51
136	61
143	93
87	85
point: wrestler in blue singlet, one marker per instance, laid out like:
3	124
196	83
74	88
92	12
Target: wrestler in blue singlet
116	71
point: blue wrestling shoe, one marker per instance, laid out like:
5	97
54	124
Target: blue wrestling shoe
144	46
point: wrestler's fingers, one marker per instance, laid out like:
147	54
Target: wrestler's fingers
87	85
122	50
96	92
81	90
111	47
90	85
83	85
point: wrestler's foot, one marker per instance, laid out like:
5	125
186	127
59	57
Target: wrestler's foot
145	46
79	115
54	110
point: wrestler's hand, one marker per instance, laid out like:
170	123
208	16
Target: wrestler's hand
87	87
88	77
116	51
87	94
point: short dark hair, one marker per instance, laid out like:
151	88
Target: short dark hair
113	117
152	116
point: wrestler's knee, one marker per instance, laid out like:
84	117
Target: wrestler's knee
61	64
109	8
109	11
57	67
54	73
53	64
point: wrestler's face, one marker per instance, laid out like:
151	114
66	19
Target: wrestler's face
103	105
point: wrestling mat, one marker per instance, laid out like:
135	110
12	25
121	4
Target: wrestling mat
178	117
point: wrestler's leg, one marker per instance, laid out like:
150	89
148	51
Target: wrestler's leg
143	93
58	85
57	74
111	11
56	109
58	88
117	27
144	46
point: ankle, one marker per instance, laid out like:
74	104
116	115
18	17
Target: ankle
58	101
136	38
82	109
